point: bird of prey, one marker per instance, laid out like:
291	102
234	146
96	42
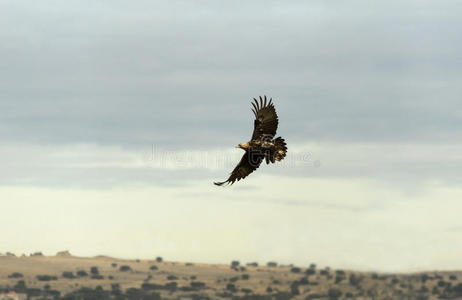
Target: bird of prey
261	146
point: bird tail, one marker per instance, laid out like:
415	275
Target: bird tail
280	148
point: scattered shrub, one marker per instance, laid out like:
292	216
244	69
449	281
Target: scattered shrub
234	264
294	288
114	265
252	264
245	276
310	271
82	273
153	268
94	270
125	268
197	284
15	275
172	277
334	293
231	287
159	259
272	264
68	275
46	277
295	270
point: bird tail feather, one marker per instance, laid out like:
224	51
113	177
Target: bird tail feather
280	149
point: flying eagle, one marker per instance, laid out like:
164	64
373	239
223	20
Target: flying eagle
262	145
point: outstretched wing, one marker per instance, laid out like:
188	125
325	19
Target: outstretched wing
266	119
250	161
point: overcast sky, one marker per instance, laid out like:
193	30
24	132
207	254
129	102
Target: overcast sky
117	116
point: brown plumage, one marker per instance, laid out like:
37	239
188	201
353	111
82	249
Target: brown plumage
262	146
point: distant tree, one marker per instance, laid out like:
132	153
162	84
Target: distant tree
15	275
234	264
452	277
46	277
231	287
68	275
294	288
295	270
245	276
197	284
159	259
354	279
94	270
334	293
153	268
252	264
272	264
114	265
172	277
269	289
82	273
310	271
313	266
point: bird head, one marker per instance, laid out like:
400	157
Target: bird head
243	145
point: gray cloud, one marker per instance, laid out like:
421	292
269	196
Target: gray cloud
182	74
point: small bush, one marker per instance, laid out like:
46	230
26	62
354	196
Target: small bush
197	284
82	273
94	270
125	268
172	277
231	287
153	268
234	264
252	264
245	276
295	270
334	293
15	275
272	264
310	272
68	275
159	259
114	265
46	277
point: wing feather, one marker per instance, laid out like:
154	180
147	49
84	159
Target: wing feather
250	161
266	119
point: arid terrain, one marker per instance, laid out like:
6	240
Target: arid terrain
68	277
